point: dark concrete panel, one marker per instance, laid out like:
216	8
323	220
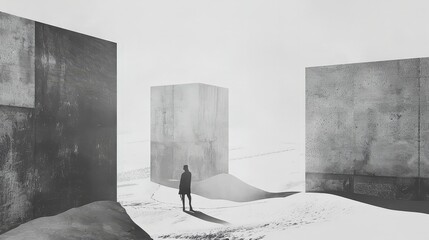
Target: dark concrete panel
75	119
16	61
17	167
400	188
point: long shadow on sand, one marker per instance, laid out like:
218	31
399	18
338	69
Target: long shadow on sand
400	205
206	217
279	194
228	187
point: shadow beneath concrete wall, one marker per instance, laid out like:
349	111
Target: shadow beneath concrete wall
241	195
279	194
227	187
396	193
399	205
206	217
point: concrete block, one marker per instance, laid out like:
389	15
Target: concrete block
367	119
75	119
57	120
189	125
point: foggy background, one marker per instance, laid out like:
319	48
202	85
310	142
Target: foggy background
256	49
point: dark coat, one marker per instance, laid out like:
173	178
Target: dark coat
185	183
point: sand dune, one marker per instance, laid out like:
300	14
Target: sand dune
229	187
300	216
99	220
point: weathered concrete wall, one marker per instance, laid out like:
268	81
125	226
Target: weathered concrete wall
379	186
17	87
75	119
424	119
57	120
17	169
189	125
368	119
16	61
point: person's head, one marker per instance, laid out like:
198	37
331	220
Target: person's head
185	167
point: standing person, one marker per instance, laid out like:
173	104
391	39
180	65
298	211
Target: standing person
185	187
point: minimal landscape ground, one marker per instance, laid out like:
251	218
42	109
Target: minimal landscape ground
157	209
301	215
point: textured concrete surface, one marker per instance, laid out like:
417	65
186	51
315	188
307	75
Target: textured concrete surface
367	119
424	119
403	188
75	119
57	120
189	125
17	168
16	61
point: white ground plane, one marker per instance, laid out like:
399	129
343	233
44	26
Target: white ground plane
157	209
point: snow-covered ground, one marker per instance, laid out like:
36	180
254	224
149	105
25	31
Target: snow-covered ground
157	209
299	216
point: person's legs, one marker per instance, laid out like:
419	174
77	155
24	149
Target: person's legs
190	202
182	196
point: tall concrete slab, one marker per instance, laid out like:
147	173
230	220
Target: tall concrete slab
17	90
363	128
17	168
16	61
75	119
57	120
189	125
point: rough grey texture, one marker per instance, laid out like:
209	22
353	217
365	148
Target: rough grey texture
379	186
189	125
424	119
16	61
57	120
17	169
75	120
366	119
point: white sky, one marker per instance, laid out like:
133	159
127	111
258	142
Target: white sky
257	49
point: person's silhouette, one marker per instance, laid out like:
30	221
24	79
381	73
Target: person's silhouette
185	187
